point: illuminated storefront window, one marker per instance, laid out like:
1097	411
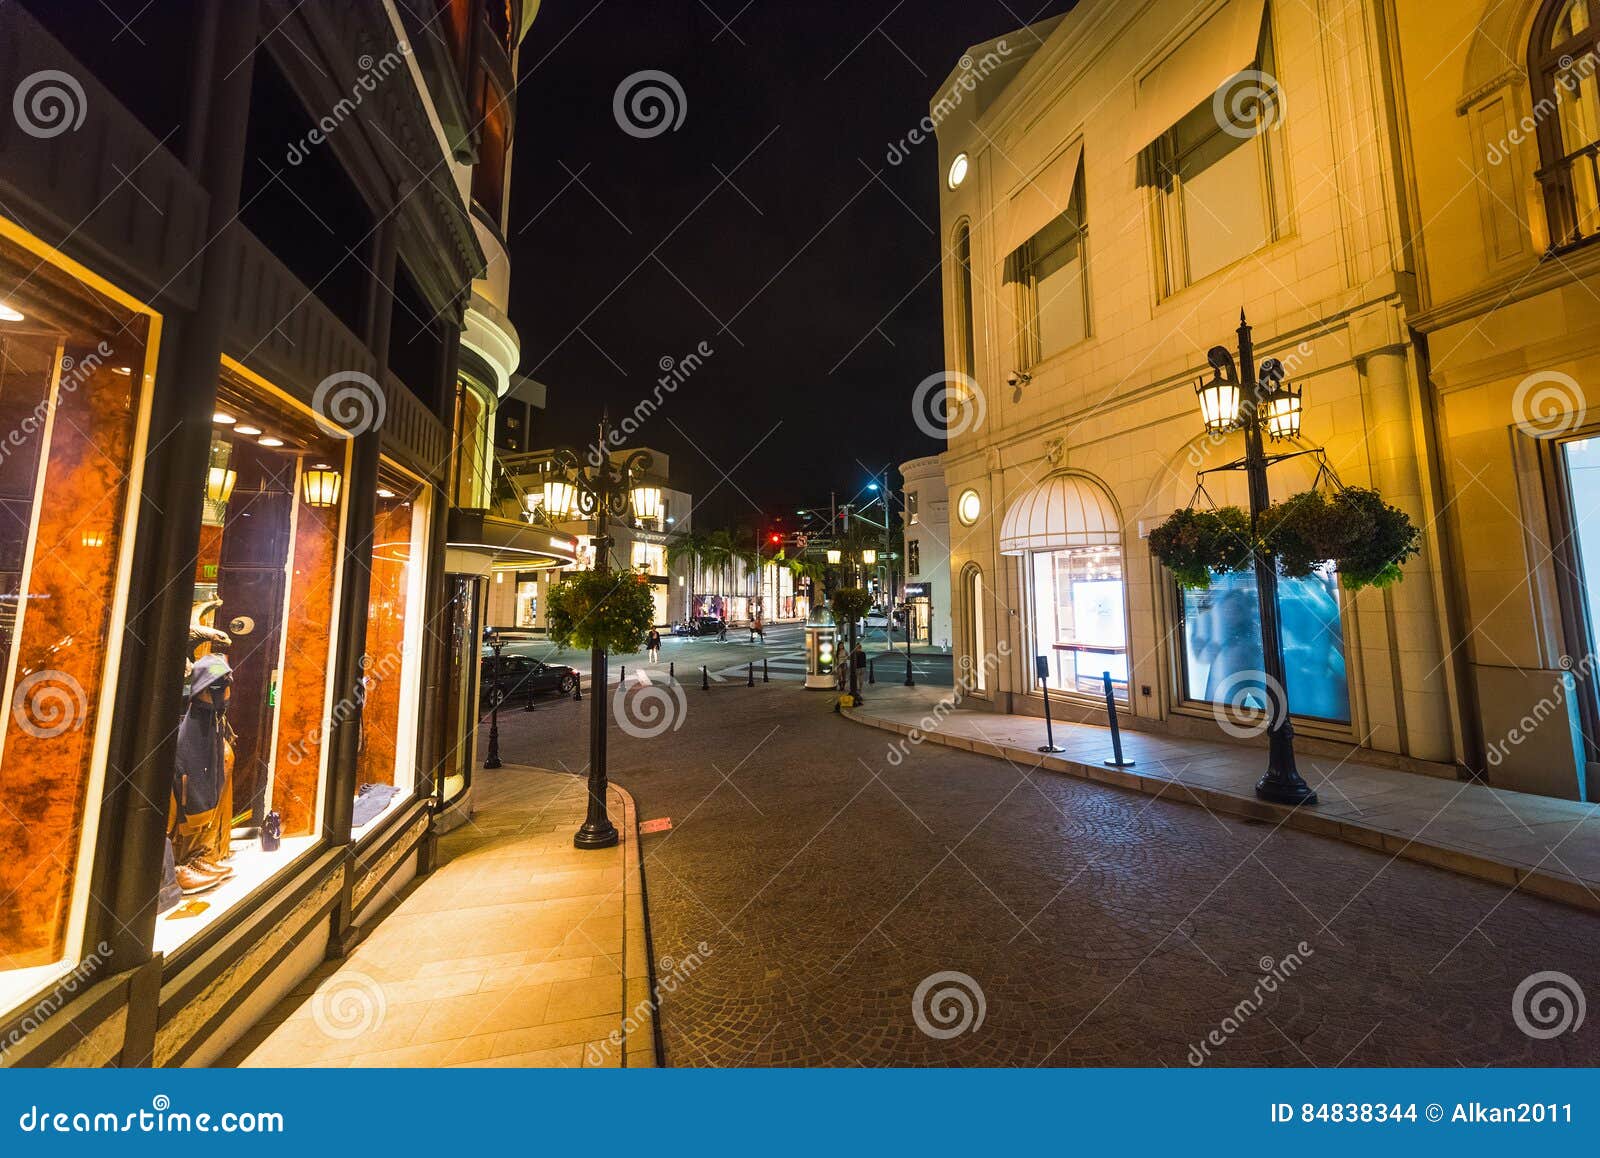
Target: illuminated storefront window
470	487
1222	645
1079	621
252	744
467	595
75	367
527	601
386	761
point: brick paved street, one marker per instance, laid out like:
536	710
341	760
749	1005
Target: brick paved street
1102	927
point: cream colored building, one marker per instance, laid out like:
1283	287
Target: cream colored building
926	530
1501	124
1117	185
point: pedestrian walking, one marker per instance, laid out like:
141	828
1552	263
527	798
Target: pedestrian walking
653	643
722	631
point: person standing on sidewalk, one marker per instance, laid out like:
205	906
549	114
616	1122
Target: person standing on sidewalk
653	643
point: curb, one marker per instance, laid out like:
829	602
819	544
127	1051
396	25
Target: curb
1536	881
641	1045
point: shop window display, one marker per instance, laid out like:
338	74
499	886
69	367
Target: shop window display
252	739
466	593
1222	644
76	360
1079	621
386	762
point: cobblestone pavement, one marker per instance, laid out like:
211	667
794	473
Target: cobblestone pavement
829	880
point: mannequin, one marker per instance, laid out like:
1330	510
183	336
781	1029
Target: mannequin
201	788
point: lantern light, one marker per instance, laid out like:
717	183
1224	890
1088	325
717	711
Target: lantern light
834	556
646	503
1282	412
1219	403
559	498
219	483
319	486
869	557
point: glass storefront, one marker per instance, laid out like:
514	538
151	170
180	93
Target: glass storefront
76	361
1222	644
464	615
252	744
1079	621
527	601
386	762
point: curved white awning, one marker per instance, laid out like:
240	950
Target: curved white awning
1061	513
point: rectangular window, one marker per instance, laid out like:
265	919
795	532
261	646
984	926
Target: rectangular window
74	369
1219	189
1048	276
911	508
471	489
527	602
386	759
1222	645
247	786
914	556
1078	618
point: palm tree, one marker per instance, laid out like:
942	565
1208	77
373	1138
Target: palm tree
687	547
718	555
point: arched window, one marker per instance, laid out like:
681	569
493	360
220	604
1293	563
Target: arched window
974	669
966	356
1563	60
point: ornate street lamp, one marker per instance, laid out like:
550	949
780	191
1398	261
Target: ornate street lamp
598	491
1260	405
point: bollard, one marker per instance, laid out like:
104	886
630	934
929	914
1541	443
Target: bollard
622	674
1116	733
764	677
705	682
1041	668
750	674
910	681
577	690
528	707
872	671
672	669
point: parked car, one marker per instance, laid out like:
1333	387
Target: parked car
877	617
706	625
522	677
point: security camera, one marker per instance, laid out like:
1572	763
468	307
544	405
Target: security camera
1018	378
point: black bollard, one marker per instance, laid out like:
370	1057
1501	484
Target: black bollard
1116	733
672	669
764	677
577	688
750	674
910	682
872	672
1041	667
705	681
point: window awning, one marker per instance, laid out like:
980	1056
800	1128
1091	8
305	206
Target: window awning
1043	199
1060	513
1222	47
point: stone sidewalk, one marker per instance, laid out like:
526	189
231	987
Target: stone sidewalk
1538	844
518	950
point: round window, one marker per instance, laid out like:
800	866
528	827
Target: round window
958	171
969	507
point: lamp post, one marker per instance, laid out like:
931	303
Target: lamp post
492	759
1258	405
598	489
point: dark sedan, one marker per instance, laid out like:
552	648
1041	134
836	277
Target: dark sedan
521	677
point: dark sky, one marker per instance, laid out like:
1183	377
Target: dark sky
811	271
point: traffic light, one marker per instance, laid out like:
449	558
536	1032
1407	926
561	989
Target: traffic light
774	538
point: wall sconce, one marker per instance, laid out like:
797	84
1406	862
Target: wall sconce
219	484
319	486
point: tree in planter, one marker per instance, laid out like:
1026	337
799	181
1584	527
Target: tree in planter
1193	544
604	610
849	605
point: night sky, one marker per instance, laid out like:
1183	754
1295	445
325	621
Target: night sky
811	271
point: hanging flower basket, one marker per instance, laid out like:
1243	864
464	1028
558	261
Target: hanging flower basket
1364	538
1374	558
613	611
1195	544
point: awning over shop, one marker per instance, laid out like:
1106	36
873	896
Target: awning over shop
1221	48
1043	199
1061	513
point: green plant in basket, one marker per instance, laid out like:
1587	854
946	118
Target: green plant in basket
1193	544
1308	530
613	611
1374	558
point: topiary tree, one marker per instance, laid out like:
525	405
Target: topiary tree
612	611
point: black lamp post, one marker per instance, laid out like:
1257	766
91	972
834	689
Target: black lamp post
1260	405
492	760
600	490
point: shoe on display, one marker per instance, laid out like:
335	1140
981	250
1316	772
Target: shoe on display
206	865
193	880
